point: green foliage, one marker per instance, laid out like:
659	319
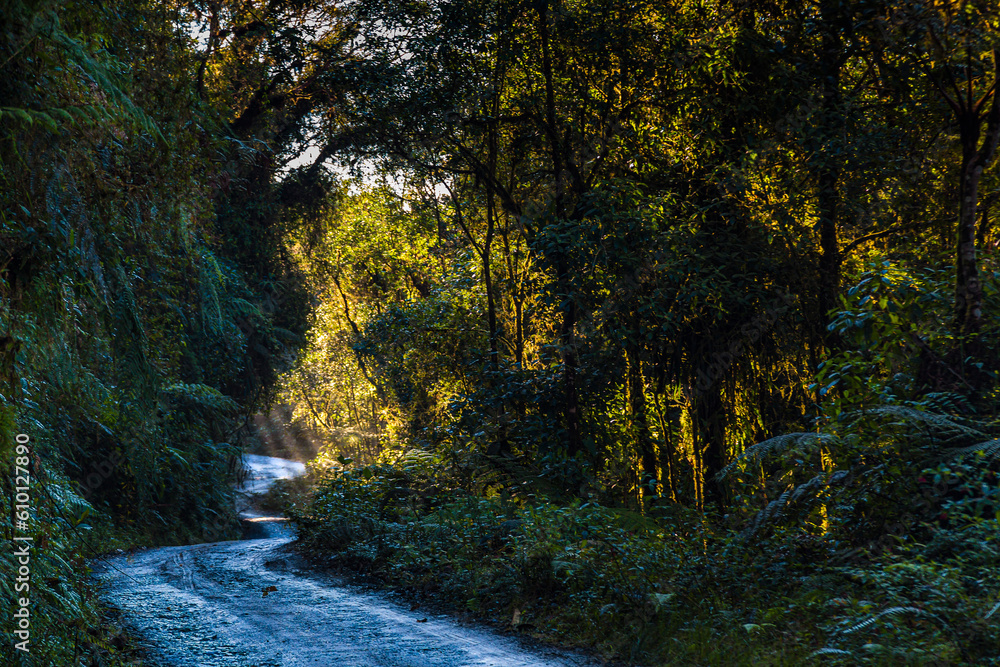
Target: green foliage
655	589
130	346
609	261
927	602
68	624
625	244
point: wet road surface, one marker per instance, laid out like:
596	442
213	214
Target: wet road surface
254	603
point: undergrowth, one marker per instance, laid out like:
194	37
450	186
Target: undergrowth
66	622
669	586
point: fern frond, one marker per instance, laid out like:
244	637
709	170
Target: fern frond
417	455
947	401
201	396
898	611
868	622
774	446
68	501
990	449
119	103
489	477
772	512
243	308
210	284
776	509
831	651
943	427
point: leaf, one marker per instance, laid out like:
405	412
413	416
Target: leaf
80	114
894	612
46	120
564	566
179	458
21	115
83	516
62	115
830	651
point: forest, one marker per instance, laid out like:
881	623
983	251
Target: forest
667	330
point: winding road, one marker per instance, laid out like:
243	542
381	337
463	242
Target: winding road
254	603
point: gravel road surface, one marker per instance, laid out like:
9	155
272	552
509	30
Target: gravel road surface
254	603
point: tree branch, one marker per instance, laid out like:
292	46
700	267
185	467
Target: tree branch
357	332
885	232
989	148
951	75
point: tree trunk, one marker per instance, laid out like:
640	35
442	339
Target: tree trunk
975	158
649	478
968	288
574	442
829	167
668	459
710	440
491	310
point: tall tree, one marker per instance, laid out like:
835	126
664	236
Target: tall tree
956	47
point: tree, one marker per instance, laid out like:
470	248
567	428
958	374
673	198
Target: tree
955	46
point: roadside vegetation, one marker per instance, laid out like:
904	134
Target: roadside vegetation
136	333
894	563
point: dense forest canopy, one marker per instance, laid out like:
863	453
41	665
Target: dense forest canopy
722	265
628	235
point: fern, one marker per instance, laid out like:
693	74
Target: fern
417	456
209	282
947	402
121	104
893	612
769	514
831	652
75	508
807	491
200	396
117	104
129	338
775	446
489	477
990	449
942	428
915	425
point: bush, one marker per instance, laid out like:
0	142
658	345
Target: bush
671	589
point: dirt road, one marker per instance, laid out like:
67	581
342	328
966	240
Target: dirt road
254	603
